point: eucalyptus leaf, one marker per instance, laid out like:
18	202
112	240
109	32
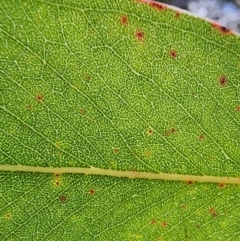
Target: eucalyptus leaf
132	88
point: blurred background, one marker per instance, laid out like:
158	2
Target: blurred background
225	12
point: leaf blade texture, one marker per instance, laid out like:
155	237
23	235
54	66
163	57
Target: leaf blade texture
117	85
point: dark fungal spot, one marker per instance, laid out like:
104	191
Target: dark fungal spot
139	34
212	211
82	112
221	185
62	198
39	98
8	215
173	53
150	131
124	20
223	30
57	175
183	207
147	153
238	108
201	137
170	131
157	6
91	191
177	14
164	224
190	182
88	77
115	150
222	80
153	221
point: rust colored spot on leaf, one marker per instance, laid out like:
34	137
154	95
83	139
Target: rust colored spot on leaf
57	175
139	35
62	198
91	191
150	131
170	131
147	153
8	215
183	207
153	221
238	108
57	183
124	20
177	14
57	144
222	80
157	6
88	77
190	182
173	53
164	224
82	112
223	30
39	98
115	150
212	211
221	185
201	137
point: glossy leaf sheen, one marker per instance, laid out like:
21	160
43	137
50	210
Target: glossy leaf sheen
121	85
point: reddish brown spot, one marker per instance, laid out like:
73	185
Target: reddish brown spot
91	191
62	198
183	207
190	182
197	226
222	80
88	77
115	150
39	98
238	108
57	183
124	20
147	153
212	211
164	224
82	112
139	35
153	221
221	185
170	131
177	14
57	175
8	215
173	53
201	137
223	30
157	6
150	131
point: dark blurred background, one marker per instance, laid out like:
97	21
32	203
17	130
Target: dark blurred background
225	12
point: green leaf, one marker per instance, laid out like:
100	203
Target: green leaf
122	86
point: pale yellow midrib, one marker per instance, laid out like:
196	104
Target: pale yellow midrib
116	173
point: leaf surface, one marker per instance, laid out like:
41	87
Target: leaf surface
120	85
